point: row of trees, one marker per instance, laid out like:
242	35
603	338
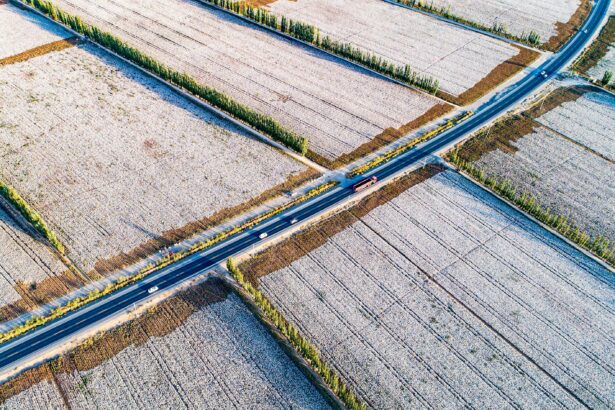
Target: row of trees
599	245
311	34
307	350
259	121
532	39
10	194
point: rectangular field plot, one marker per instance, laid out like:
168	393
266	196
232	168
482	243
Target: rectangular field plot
336	106
201	350
443	296
562	155
459	59
552	20
22	31
112	159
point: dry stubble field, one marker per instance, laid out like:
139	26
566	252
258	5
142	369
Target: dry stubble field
442	296
335	105
459	59
553	20
201	349
114	160
562	152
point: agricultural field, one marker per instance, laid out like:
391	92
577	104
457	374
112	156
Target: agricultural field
600	56
337	106
22	31
466	64
201	348
433	293
27	265
118	164
561	152
553	20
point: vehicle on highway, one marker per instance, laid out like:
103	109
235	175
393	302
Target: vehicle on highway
294	221
152	289
263	235
364	183
544	74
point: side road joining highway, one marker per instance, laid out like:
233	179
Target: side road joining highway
32	345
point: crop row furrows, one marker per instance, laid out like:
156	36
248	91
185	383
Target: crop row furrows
374	318
358	337
513	268
507	323
187	62
511	295
516	219
430	294
430	329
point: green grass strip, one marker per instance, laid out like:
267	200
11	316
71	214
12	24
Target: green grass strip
597	245
11	195
123	281
259	121
308	350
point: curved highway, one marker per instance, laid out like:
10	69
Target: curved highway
29	346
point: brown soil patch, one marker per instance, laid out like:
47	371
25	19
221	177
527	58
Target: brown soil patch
260	3
37	294
39	51
598	49
497	76
107	266
501	135
288	251
566	30
166	317
386	137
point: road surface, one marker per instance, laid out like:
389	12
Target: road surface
30	345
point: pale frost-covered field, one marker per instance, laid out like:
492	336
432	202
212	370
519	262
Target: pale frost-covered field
337	106
23	257
220	357
111	158
21	31
444	297
568	163
457	58
519	17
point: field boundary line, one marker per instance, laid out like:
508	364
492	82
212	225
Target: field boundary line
485	188
184	93
336	56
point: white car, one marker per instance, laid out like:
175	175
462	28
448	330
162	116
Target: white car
294	221
544	74
152	289
263	235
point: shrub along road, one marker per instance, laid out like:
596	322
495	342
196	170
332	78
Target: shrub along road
32	345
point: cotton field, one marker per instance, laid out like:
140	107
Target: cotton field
219	357
446	297
519	18
21	31
457	58
24	257
335	105
568	162
111	158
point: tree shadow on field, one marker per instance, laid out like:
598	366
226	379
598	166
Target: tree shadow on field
312	51
9	217
165	93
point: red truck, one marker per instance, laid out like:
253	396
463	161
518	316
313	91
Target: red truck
364	183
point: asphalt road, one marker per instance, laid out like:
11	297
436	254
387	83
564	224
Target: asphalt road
28	346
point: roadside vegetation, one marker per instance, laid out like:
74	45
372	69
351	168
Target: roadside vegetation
593	63
11	195
259	121
307	350
168	259
311	34
532	38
